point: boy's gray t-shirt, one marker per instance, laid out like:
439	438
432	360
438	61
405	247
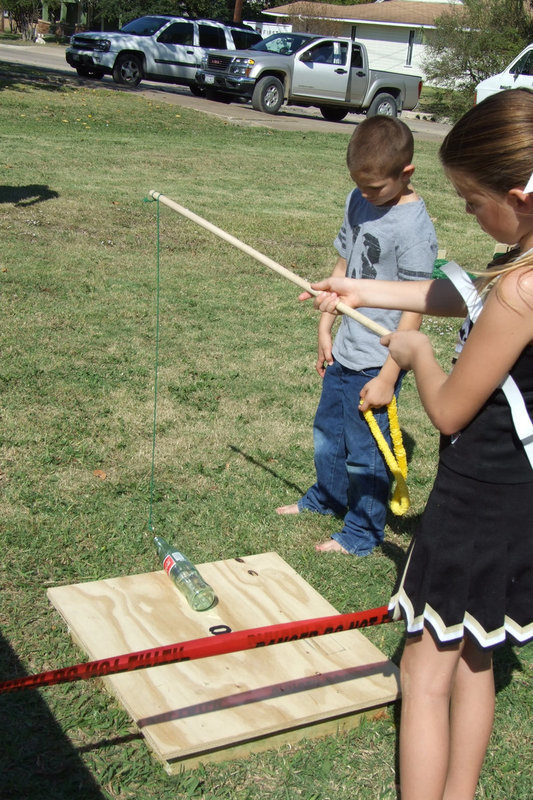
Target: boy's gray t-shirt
386	243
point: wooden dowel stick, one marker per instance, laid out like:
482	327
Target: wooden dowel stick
268	262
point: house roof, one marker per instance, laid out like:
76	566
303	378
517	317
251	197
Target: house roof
400	12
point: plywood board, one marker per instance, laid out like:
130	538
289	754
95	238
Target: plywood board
213	708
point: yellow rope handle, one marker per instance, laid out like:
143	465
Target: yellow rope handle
397	463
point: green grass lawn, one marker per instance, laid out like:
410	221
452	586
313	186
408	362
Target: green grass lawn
237	393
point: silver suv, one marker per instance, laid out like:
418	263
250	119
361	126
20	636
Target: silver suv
156	48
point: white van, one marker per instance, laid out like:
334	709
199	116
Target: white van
518	75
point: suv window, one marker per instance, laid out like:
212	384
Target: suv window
210	36
524	66
145	26
178	33
244	39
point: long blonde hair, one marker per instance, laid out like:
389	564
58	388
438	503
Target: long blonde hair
493	144
495	273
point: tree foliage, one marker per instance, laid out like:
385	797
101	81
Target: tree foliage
126	10
24	14
470	43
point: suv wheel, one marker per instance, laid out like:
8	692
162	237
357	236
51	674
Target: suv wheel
128	70
268	95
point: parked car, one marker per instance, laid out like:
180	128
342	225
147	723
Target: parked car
304	69
517	75
157	48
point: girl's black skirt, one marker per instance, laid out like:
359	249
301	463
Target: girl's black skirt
470	564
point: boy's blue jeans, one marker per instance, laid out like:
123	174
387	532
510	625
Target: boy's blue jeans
351	471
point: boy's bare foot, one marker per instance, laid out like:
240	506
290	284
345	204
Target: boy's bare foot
292	509
331	546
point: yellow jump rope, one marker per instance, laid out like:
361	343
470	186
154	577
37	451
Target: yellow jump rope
397	463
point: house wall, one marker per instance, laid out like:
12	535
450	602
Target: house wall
71	13
388	46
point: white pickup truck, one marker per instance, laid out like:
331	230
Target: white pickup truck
517	75
307	70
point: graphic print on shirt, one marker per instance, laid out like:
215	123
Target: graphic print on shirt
373	252
352	273
370	253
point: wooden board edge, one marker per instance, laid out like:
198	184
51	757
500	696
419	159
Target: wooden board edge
334	726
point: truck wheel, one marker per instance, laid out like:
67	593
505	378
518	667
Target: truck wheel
383	105
268	95
90	72
128	70
332	113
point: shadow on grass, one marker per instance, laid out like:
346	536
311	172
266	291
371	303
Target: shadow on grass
36	759
38	78
298	490
505	663
26	195
397	555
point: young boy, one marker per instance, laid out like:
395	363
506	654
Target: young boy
386	234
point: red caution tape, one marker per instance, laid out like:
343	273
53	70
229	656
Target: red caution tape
202	648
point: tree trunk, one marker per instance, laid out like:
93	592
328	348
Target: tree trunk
237	13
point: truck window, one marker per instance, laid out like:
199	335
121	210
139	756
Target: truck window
178	33
328	53
340	53
321	54
524	66
284	44
357	57
211	36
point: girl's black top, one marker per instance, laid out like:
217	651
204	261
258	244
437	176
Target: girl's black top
489	449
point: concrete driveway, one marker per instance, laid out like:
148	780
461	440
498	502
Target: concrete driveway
289	118
51	59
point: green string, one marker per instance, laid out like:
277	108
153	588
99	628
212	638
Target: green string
150	525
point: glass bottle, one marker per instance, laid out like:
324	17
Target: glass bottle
185	576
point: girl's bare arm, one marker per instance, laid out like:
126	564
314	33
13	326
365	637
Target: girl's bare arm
435	297
503	329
